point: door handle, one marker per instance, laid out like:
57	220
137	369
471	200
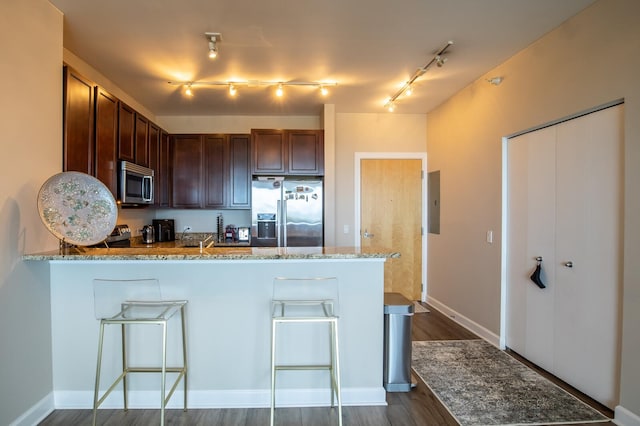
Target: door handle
367	234
568	264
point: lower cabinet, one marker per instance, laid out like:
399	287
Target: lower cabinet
210	171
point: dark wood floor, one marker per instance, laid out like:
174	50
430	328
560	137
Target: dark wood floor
418	407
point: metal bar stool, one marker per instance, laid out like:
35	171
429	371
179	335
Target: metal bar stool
137	302
307	300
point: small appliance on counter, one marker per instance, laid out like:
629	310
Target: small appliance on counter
244	234
230	234
148	234
164	229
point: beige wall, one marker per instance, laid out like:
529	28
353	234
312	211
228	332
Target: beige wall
590	60
31	123
382	132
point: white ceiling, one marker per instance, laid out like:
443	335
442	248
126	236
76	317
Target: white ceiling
368	46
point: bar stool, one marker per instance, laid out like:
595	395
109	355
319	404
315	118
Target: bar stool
300	301
137	302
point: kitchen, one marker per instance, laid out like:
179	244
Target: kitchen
39	28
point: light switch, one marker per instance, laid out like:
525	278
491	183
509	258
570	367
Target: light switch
490	236
345	229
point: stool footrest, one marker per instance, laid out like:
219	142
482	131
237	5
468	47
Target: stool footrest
304	367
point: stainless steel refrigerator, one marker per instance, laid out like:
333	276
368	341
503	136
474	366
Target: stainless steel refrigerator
286	212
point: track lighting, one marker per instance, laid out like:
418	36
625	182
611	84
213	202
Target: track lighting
495	80
213	38
407	87
232	85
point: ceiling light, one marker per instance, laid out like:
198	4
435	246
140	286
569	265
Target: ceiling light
495	80
213	38
232	85
407	87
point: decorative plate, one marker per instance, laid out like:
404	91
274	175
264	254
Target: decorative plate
77	208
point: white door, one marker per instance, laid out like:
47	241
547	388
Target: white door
565	204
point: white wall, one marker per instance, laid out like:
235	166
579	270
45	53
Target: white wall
588	61
31	142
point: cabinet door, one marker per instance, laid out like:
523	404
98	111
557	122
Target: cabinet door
215	148
305	152
153	144
240	174
163	175
268	151
78	142
142	141
187	171
106	141
126	133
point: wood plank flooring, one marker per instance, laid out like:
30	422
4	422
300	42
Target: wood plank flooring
418	407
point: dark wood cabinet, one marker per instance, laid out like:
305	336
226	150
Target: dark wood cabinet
287	152
126	132
106	139
78	124
211	171
187	171
216	149
240	172
305	152
141	153
268	151
163	172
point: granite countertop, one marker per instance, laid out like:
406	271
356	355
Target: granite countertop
173	251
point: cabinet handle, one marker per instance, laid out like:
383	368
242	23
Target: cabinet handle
367	235
568	264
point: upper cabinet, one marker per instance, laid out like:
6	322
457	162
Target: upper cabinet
126	133
142	141
106	139
287	152
211	171
78	142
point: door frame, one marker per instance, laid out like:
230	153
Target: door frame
357	199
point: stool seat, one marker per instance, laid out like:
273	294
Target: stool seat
290	305
135	312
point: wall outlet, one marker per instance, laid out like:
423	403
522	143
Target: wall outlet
345	229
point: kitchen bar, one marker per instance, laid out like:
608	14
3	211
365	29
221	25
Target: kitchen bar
228	323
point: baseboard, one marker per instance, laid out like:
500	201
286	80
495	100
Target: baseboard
624	417
38	412
465	322
209	399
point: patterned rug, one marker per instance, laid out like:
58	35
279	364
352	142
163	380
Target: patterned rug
481	385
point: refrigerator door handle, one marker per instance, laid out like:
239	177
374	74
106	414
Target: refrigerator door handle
279	223
283	222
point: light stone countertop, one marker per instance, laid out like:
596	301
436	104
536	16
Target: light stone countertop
169	251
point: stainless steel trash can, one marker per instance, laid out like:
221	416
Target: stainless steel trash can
398	315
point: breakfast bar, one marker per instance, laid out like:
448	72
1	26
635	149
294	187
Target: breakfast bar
228	323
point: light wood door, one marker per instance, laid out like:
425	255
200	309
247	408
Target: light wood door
565	204
391	217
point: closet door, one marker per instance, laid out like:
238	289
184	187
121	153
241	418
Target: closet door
531	233
565	205
589	256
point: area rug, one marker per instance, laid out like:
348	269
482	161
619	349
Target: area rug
481	385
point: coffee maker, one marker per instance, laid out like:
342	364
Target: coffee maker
164	229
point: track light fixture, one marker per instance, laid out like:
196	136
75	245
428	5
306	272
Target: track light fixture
232	86
213	38
407	87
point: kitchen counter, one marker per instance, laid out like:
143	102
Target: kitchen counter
229	290
174	250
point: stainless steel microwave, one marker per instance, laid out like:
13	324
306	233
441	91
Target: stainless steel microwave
136	184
